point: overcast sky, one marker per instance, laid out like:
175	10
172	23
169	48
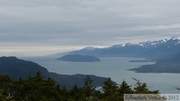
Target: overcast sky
40	27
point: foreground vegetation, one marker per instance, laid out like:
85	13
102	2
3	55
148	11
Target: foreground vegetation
36	88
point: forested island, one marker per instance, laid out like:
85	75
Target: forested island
79	58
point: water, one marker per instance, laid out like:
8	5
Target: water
116	69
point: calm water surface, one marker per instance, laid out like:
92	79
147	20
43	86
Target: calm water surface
116	69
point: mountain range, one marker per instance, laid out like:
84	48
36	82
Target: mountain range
165	52
150	49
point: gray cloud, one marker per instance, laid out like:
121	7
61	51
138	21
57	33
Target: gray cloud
78	23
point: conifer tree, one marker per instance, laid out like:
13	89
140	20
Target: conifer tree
109	87
125	88
75	93
141	88
88	88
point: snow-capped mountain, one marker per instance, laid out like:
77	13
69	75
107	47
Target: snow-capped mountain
149	49
143	44
89	48
152	43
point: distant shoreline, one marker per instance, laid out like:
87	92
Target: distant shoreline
142	60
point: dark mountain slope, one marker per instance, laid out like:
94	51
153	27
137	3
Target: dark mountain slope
18	68
170	64
77	79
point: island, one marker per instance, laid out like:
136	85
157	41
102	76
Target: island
79	58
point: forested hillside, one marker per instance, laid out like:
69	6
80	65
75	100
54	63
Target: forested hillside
36	88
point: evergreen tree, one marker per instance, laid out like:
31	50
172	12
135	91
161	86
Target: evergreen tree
88	88
6	87
141	88
75	93
38	77
2	97
110	90
125	88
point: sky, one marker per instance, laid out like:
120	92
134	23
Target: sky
41	27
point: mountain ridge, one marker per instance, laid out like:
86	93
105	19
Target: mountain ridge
149	49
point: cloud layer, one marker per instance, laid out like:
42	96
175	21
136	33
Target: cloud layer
78	23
